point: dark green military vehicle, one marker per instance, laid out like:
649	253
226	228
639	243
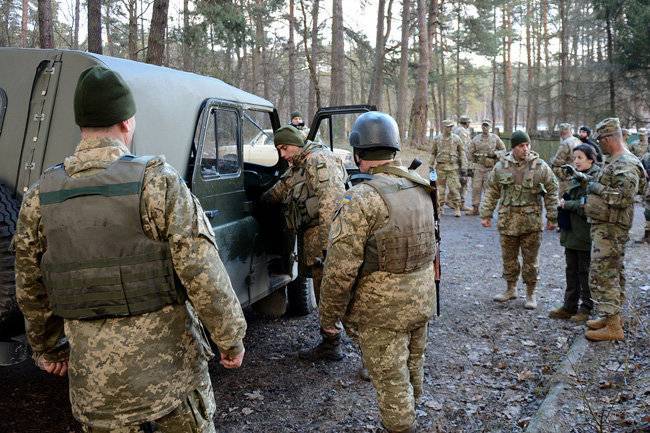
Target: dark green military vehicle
218	137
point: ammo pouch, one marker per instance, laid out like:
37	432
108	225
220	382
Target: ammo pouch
597	209
488	162
99	262
407	241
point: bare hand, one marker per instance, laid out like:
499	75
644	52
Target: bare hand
56	368
232	362
562	203
550	226
486	222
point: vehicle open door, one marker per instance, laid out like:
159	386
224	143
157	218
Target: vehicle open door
331	126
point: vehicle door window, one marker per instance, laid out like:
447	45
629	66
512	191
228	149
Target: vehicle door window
220	155
257	135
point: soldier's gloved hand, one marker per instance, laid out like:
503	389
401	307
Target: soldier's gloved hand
595	188
569	170
463	172
581	177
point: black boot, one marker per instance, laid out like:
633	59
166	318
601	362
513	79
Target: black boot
329	349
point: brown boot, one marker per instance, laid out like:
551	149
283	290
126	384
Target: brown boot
612	331
510	293
467	208
473	211
645	239
457	212
580	317
531	300
560	313
599	323
412	429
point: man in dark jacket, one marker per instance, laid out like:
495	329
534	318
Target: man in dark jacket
584	134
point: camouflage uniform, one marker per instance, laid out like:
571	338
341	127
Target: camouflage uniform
646	202
124	371
466	138
447	158
639	148
519	187
610	210
388	311
310	189
482	157
564	156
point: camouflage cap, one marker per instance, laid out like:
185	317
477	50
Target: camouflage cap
464	119
565	126
486	122
448	123
608	126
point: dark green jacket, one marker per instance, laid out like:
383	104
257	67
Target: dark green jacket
578	237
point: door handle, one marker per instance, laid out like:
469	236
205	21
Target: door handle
212	213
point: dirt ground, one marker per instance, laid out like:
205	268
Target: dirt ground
488	367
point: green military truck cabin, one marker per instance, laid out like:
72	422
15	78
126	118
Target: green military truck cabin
202	126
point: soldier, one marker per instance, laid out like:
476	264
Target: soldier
564	156
519	183
584	134
462	130
646	203
483	154
449	161
116	251
298	123
639	148
386	294
310	188
610	210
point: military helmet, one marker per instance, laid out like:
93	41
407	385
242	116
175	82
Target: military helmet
375	129
448	123
464	119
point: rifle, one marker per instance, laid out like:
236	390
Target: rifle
433	178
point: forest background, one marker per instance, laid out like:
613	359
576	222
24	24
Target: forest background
524	64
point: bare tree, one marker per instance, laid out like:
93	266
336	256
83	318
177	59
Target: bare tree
375	96
563	61
23	24
419	110
337	86
402	88
95	26
507	67
291	46
45	28
132	10
157	31
107	23
187	56
313	98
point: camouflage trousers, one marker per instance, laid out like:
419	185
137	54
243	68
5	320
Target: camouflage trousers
395	360
478	183
449	188
528	244
607	270
464	181
194	415
316	279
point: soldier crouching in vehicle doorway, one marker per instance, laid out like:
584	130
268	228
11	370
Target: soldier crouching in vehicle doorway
519	183
309	189
379	276
115	251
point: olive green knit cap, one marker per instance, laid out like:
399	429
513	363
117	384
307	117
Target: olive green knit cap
288	135
519	137
102	98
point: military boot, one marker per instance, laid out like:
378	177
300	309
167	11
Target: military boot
645	239
412	429
510	293
329	349
531	300
612	331
466	208
457	212
560	313
580	317
473	211
599	323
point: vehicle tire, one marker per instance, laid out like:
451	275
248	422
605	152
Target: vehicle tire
11	320
272	306
301	298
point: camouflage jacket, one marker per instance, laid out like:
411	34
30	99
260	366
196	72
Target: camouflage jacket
483	150
611	196
639	148
464	135
310	189
563	156
382	299
519	188
448	153
130	369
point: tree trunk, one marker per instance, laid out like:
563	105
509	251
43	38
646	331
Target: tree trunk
95	26
313	100
610	74
375	96
443	74
507	68
25	19
157	31
419	110
531	102
563	61
45	29
402	81
107	22
494	72
518	90
187	40
291	45
458	114
133	29
337	86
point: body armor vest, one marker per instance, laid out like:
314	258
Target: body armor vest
521	185
406	242
99	262
485	153
447	155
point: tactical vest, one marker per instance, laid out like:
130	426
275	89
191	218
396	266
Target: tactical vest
521	186
99	262
447	152
485	153
406	242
